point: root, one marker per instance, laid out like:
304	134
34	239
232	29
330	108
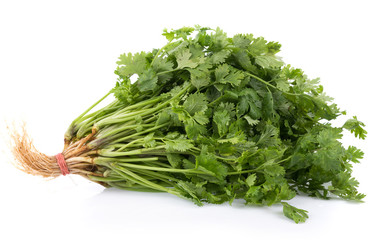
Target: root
29	160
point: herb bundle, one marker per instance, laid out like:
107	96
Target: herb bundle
210	118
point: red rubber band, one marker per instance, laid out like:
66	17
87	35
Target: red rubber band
62	164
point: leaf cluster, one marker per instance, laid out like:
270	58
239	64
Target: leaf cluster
224	118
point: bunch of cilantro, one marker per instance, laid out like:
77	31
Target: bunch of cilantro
214	118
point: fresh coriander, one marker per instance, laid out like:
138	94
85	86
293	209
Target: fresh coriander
211	118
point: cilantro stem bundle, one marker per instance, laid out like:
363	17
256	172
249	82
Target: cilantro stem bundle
210	118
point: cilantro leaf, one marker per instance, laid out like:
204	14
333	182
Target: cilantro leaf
131	64
268	61
225	74
196	102
180	144
222	119
199	78
296	214
184	61
147	81
209	162
356	127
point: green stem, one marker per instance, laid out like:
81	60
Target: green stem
159	51
139	178
122	118
69	132
173	170
170	71
259	167
140	133
270	85
109	153
120	129
140	104
129	144
133	188
157	175
102	160
105	179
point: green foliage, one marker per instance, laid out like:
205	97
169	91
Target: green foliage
356	127
214	118
296	214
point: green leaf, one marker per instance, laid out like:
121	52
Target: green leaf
147	81
354	154
269	135
244	60
181	33
180	144
328	137
194	129
163	68
296	214
129	64
268	110
225	74
218	40
251	179
220	57
191	191
209	162
149	141
241	41
169	35
199	78
268	61
356	127
196	102
258	47
329	159
174	159
274	170
184	61
282	84
222	119
201	118
221	72
251	121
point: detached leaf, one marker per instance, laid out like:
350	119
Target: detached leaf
296	214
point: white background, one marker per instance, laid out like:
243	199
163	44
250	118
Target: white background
58	57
